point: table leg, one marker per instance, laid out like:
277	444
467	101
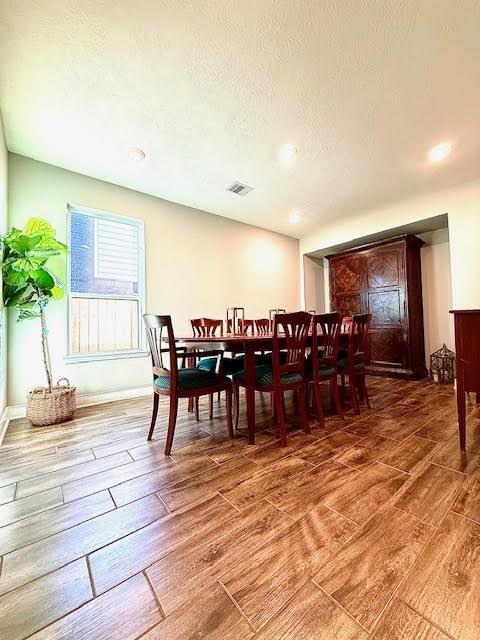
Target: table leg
250	392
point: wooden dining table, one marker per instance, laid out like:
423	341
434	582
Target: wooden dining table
248	345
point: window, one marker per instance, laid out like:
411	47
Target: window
106	293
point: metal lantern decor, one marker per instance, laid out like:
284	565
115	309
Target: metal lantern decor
442	366
235	320
272	313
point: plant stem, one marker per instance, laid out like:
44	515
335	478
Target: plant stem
45	349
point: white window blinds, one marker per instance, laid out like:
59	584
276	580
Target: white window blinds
116	250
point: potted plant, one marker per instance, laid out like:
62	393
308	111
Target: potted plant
28	286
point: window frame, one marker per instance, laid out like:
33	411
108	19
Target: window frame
91	356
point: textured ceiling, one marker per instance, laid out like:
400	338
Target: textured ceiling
210	89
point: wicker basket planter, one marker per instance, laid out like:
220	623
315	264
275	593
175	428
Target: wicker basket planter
46	407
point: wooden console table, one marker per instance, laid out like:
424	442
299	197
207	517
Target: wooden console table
467	347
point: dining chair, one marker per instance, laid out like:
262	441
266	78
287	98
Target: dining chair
262	326
206	328
290	332
322	361
246	326
180	382
346	324
352	365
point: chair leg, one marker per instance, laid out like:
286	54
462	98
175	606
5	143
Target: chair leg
190	405
365	392
197	409
336	396
318	403
250	401
228	405
302	409
236	404
210	406
218	397
281	418
154	415
360	388
172	421
353	392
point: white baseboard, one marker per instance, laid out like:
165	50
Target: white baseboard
83	400
88	399
4	420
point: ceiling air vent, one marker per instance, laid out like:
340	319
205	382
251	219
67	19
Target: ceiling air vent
239	188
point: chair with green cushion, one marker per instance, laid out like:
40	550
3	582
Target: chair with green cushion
322	361
290	332
353	364
263	327
208	327
180	382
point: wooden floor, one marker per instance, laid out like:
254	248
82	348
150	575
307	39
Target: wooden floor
367	529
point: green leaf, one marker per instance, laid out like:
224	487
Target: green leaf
26	314
26	304
8	290
11	235
22	244
15	299
15	278
39	226
50	245
57	293
42	279
30	263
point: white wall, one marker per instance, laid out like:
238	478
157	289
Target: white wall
314	290
437	292
196	264
3	225
462	204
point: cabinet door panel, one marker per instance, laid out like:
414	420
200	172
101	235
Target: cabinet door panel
348	304
387	347
385	307
383	268
348	275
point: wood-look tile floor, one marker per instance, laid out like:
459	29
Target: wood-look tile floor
369	528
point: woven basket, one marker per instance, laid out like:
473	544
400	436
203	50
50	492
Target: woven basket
45	407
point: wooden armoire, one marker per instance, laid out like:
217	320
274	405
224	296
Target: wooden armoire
384	278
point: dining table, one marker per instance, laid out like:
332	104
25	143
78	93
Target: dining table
249	345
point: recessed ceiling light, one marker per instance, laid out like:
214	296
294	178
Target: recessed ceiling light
439	152
294	216
287	154
137	155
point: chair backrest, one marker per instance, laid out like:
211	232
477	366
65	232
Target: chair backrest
358	339
290	333
245	326
158	328
346	323
262	326
329	327
205	327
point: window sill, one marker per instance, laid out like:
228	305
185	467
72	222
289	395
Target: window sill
110	355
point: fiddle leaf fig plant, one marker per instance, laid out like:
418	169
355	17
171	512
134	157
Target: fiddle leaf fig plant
28	282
